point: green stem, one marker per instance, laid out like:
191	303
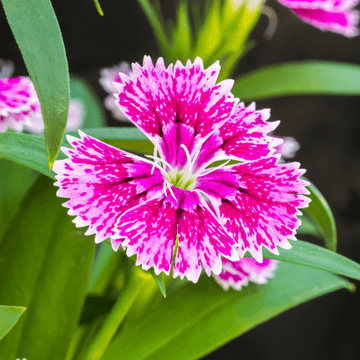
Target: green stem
117	314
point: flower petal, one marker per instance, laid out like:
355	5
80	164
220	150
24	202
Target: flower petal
102	182
149	231
344	23
262	210
243	137
18	103
160	98
332	15
202	239
236	274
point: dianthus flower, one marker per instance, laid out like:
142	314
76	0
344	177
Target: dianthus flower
236	274
176	211
332	15
19	104
108	77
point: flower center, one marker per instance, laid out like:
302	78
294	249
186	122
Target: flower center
181	179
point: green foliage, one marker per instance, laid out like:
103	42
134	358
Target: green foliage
98	7
36	30
298	78
198	318
9	315
94	116
320	216
45	264
221	35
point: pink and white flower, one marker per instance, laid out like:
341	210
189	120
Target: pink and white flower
337	16
19	104
236	274
109	76
175	211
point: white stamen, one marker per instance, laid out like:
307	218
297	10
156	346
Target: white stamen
214	168
171	192
164	187
160	160
189	161
155	154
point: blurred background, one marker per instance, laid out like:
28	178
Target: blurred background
327	128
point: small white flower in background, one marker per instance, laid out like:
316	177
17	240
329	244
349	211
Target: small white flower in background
107	79
6	68
288	148
74	122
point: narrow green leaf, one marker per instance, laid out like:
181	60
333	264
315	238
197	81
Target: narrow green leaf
198	318
94	116
24	149
157	23
29	150
37	32
43	259
299	78
98	7
320	214
14	182
9	315
304	253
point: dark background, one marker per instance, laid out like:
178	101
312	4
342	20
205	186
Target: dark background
327	128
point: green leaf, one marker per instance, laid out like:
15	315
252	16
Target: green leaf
29	150
94	116
45	264
9	315
25	149
304	253
157	23
299	78
37	32
98	7
14	182
321	218
199	318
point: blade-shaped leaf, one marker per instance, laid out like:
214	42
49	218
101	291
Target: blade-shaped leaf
94	116
45	265
14	182
321	216
304	253
9	315
37	32
199	318
299	78
98	7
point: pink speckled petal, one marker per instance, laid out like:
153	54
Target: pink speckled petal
243	137
102	182
149	231
262	210
186	95
236	274
18	103
332	15
202	239
344	23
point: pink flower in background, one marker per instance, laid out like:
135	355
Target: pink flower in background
19	104
236	274
107	79
176	202
332	15
74	121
